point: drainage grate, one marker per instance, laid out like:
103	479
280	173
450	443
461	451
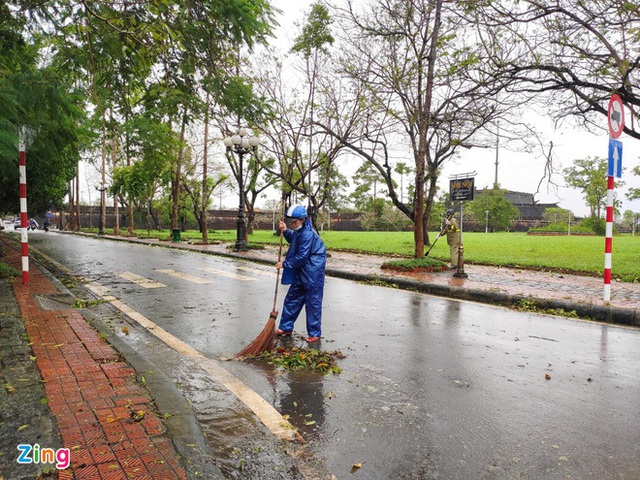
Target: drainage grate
54	302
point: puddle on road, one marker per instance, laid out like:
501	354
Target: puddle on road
242	445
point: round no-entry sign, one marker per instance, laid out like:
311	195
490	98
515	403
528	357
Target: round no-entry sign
615	115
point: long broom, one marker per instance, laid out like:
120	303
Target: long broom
266	339
444	230
434	242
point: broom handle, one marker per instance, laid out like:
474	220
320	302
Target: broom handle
275	295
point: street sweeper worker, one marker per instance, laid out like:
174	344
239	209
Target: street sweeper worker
303	269
453	237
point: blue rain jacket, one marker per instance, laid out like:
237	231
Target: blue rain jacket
306	258
303	269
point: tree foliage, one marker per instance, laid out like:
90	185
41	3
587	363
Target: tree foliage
134	63
37	99
502	213
305	158
556	214
589	175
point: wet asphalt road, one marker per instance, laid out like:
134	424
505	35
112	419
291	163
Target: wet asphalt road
430	388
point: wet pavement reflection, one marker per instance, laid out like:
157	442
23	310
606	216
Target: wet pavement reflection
430	387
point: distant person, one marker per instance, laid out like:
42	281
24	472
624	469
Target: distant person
32	224
453	236
46	224
303	269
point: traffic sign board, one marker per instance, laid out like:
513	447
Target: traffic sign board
615	158
615	115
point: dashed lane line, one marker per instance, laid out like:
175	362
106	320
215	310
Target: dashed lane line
268	273
268	415
222	273
185	276
140	280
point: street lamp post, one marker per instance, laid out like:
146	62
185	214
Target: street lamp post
241	144
486	221
103	213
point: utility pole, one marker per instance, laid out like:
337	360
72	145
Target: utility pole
495	181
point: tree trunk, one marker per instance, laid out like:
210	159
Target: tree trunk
175	188
205	196
423	128
116	212
78	226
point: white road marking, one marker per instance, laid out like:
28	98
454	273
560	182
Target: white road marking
140	280
261	272
100	290
222	273
271	418
185	276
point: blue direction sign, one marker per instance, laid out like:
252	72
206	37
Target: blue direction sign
615	158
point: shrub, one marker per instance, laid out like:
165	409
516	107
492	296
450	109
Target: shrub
595	225
412	264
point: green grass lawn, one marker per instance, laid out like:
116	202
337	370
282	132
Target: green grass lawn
582	254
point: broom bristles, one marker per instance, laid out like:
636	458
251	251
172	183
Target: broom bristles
264	341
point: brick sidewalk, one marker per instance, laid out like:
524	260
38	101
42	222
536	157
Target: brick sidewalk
107	421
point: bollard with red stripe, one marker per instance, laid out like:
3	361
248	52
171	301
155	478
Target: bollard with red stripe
24	221
608	242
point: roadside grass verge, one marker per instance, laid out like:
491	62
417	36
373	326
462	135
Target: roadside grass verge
7	271
568	253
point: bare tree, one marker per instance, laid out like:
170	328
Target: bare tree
288	135
414	81
578	52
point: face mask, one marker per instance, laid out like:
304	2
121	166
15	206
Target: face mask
297	228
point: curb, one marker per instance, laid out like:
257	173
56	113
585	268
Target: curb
586	312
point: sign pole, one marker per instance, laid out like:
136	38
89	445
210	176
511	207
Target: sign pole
615	119
461	187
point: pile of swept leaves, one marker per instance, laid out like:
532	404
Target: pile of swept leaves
531	306
294	359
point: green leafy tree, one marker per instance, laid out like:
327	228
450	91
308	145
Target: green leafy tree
634	193
589	175
155	60
367	181
630	220
313	44
557	215
502	213
35	96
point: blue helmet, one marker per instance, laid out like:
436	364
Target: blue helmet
296	211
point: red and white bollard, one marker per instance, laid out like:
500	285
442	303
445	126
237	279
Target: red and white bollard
608	243
24	220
